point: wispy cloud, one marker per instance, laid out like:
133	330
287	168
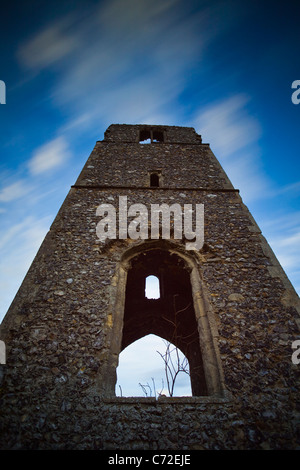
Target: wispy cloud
122	61
18	246
49	46
49	156
286	248
289	190
14	191
234	136
282	231
21	235
228	125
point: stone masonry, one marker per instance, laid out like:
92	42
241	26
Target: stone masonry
82	301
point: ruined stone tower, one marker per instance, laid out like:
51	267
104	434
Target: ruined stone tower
227	305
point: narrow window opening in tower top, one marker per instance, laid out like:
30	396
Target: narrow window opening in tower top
152	289
149	136
158	136
145	137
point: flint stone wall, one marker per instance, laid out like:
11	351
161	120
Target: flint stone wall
58	330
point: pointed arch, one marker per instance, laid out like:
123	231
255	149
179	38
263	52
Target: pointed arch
181	315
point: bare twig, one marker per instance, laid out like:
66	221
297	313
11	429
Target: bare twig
173	363
144	389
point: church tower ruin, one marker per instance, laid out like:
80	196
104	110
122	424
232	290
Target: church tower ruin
225	302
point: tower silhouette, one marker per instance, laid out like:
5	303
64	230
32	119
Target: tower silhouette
227	304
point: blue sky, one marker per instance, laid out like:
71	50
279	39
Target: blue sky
72	68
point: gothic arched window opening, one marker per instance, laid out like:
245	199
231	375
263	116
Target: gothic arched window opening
171	316
181	315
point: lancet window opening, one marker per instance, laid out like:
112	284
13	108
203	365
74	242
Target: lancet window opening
171	316
180	315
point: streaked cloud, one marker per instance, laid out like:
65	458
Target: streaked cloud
121	61
49	156
228	125
286	249
282	231
14	191
48	46
234	136
18	246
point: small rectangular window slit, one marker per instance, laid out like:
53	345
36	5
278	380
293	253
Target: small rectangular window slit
154	180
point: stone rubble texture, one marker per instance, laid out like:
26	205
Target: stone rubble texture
58	330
